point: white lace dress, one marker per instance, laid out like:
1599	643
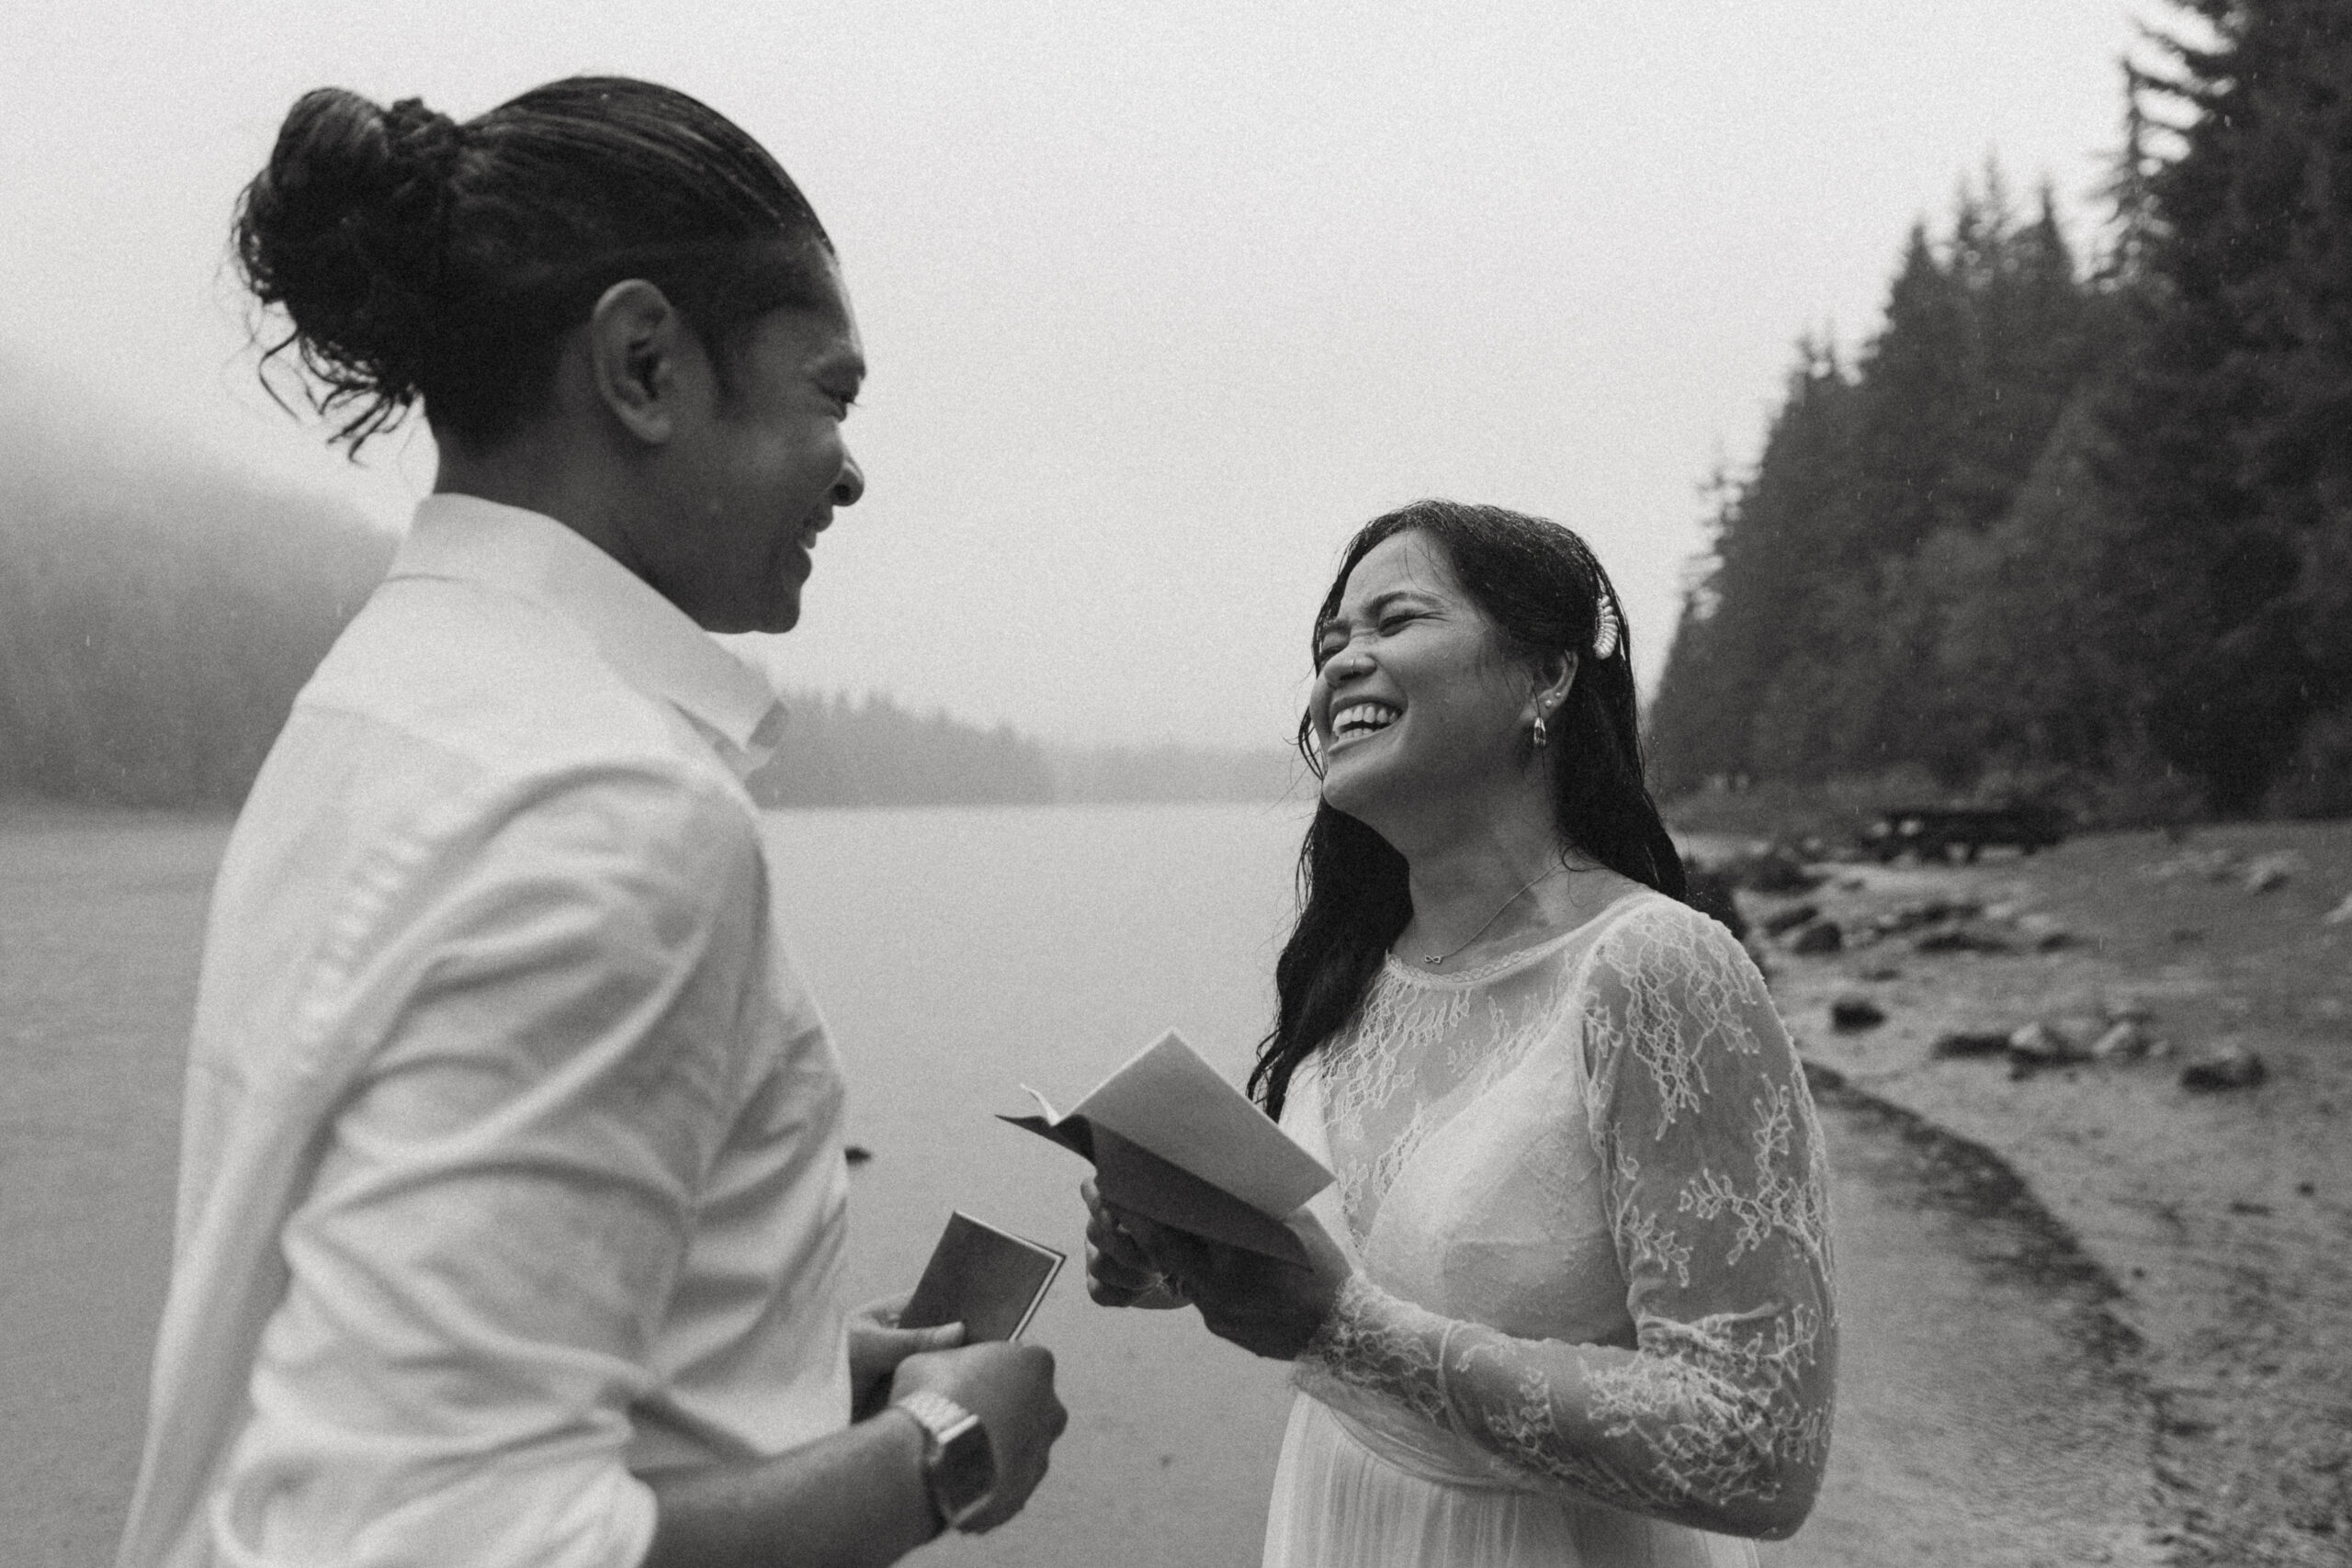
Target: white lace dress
1585	1191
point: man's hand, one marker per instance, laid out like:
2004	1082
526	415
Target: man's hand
1265	1305
1011	1388
876	1346
1118	1273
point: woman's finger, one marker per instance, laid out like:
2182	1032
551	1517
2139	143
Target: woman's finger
1173	1251
1109	1283
1112	1269
1106	1236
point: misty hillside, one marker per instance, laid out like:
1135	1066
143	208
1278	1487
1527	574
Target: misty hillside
158	613
871	751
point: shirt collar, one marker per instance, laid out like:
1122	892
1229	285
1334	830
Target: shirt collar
649	642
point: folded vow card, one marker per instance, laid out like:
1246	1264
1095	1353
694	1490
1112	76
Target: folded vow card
1172	1141
989	1280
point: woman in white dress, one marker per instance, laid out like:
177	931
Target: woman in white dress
1569	1300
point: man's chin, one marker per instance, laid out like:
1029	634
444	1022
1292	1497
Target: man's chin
779	612
765	618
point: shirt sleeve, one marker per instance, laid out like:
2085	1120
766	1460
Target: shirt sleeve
550	1006
1719	1415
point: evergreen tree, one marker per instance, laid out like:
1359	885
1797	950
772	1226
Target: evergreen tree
1914	399
2028	633
2232	458
1761	607
2098	527
1813	646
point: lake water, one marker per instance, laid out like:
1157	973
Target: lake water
957	954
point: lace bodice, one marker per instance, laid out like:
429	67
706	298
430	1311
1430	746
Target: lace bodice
1587	1197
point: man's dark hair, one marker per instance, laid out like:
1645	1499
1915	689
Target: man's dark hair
416	257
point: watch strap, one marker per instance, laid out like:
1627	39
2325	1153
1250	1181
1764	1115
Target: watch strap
940	1415
946	1423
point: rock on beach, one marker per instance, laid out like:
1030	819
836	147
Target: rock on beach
2226	1068
1819	937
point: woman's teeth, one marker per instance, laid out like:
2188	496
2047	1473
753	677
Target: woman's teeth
1363	718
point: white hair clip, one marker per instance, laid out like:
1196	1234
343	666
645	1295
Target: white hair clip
1604	629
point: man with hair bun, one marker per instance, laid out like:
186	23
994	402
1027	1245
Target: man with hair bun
510	1220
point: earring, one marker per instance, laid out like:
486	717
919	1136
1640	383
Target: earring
1540	736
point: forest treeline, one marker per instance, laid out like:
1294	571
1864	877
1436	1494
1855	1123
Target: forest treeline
840	750
2075	527
158	616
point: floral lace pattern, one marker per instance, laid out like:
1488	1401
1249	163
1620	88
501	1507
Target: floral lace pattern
1628	1097
1371	1076
1432	1047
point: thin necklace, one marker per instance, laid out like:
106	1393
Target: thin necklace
1434	959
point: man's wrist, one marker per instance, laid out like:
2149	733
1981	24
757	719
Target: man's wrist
959	1459
914	1442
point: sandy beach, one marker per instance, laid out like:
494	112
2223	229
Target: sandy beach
2220	1217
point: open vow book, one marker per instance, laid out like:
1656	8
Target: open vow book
1172	1141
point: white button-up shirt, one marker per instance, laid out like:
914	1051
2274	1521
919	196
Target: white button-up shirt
510	1163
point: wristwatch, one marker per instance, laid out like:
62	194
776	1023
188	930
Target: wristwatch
958	1465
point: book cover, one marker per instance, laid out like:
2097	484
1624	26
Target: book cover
989	1280
1172	1140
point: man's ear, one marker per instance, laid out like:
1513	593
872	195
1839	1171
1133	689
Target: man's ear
638	345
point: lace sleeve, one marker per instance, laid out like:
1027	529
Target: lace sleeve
1719	1416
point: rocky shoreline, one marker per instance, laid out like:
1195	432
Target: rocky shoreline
2155	1036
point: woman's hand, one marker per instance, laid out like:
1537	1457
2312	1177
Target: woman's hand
876	1346
1267	1306
1118	1273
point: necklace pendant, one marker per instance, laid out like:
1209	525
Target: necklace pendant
1433	959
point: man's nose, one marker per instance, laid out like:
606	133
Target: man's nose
851	484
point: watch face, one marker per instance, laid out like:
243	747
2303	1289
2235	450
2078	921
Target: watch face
964	1475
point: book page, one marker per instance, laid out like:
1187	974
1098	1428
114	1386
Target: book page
1168	1101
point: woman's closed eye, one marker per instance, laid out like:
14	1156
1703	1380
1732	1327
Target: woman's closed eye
1388	626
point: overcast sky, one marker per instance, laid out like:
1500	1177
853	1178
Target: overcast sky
1162	299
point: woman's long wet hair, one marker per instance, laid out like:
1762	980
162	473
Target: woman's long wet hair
1542	588
418	258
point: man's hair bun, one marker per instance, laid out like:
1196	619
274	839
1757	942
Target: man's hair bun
346	231
416	259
